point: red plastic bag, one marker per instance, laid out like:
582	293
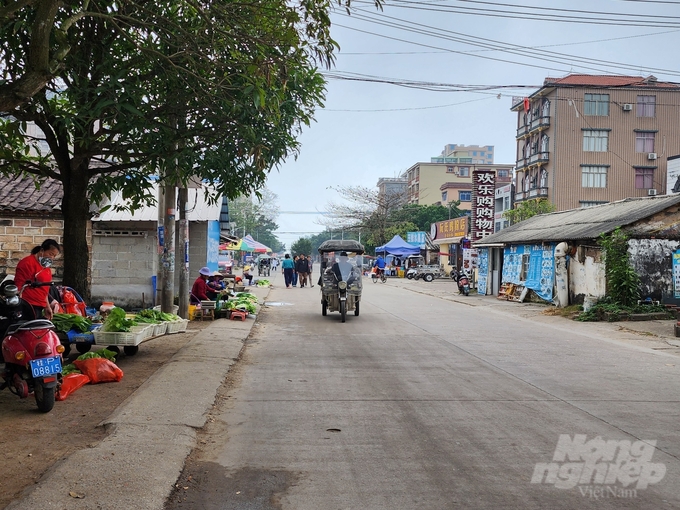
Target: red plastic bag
99	370
71	383
70	303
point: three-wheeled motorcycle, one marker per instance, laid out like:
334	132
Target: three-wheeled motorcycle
341	272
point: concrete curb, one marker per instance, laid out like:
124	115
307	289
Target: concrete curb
152	431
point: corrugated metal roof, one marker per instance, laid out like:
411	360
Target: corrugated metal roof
580	224
20	194
198	209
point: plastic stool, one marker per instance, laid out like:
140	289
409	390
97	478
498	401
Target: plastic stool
238	314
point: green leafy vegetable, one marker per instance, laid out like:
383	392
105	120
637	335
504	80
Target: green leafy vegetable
69	369
103	353
116	321
65	322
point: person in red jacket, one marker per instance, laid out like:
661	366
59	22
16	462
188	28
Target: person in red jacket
36	268
199	291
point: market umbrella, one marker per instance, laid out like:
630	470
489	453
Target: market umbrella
256	246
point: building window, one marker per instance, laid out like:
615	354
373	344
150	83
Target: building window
594	176
450	169
587	203
595	140
506	203
465	196
596	104
644	178
463	171
644	141
646	106
525	267
504	173
444	195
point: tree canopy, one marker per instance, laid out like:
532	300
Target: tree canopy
527	209
176	89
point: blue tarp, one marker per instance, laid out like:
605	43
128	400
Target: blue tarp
397	246
540	270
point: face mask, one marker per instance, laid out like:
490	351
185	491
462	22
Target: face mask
45	261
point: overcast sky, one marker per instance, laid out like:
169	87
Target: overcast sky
370	129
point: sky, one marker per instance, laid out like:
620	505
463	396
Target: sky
437	51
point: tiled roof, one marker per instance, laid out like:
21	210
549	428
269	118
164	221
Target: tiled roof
608	81
20	194
581	224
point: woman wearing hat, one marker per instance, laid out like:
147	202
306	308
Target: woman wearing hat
215	285
199	291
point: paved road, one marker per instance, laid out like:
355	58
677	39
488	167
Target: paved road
423	403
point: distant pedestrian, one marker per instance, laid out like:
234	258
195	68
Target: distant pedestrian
302	268
309	261
295	274
287	268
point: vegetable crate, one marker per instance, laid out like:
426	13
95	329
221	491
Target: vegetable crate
177	326
160	328
119	338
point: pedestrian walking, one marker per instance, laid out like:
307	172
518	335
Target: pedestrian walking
309	261
287	268
295	274
302	268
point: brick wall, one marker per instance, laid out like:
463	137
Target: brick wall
19	235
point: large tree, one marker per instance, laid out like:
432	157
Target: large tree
172	88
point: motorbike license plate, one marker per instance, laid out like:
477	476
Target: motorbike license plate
45	366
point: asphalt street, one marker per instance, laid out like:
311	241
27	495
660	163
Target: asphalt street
427	400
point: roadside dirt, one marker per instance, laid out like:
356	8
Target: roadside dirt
31	442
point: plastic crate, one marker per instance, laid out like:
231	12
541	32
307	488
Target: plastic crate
118	338
146	330
160	329
75	336
175	308
177	326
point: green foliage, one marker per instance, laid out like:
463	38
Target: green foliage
623	282
605	310
302	246
527	209
422	216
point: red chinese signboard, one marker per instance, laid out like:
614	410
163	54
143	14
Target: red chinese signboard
447	229
483	198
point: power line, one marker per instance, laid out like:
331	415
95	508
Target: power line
514	49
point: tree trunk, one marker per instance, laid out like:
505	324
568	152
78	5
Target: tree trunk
75	208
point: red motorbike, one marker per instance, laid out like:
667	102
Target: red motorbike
31	350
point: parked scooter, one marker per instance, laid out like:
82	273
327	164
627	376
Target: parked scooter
461	278
31	349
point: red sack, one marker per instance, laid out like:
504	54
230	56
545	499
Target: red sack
71	383
99	370
70	303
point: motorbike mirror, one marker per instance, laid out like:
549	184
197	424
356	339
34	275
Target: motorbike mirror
11	290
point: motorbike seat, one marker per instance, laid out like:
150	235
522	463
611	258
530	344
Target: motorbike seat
29	326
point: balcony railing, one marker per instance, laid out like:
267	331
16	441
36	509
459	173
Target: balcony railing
522	131
533	160
539	123
532	193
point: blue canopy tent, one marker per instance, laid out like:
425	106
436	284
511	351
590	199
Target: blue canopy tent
397	246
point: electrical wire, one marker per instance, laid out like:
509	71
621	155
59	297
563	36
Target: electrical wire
543	55
342	53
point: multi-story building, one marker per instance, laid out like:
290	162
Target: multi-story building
503	202
392	192
438	183
459	153
584	140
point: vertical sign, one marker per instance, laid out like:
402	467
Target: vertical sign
483	198
676	274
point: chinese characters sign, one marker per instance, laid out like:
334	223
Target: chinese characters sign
457	227
483	197
417	238
676	273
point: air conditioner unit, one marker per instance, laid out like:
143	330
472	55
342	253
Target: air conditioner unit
651	155
651	192
627	107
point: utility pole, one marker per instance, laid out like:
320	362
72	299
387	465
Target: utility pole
183	241
160	246
168	257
